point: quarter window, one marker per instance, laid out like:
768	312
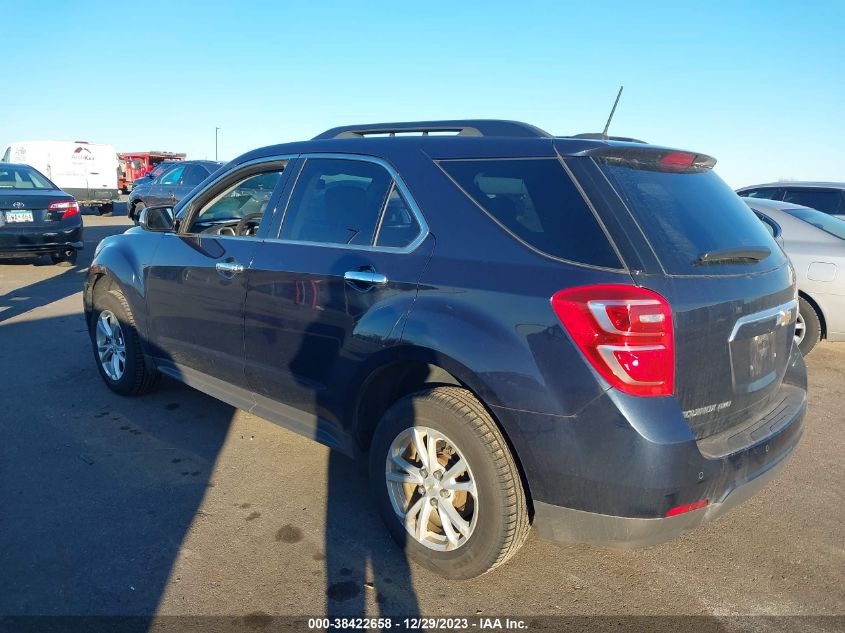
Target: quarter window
399	226
337	201
537	202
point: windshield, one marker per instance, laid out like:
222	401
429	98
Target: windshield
820	220
22	177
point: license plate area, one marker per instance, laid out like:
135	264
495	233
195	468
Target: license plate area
759	348
18	216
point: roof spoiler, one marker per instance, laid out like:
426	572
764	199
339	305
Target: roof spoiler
467	127
598	136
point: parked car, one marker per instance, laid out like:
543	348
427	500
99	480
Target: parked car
510	327
828	197
815	242
36	217
173	184
138	164
86	171
157	171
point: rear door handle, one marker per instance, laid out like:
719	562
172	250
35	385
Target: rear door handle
365	277
229	268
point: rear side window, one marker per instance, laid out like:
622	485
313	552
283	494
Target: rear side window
337	201
687	214
827	200
194	175
536	201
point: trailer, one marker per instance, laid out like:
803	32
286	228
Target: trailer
134	165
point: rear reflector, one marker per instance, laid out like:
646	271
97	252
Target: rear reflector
68	208
688	507
625	332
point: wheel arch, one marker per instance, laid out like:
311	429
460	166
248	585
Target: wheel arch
408	370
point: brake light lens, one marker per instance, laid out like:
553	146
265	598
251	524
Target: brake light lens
626	334
677	161
68	208
702	503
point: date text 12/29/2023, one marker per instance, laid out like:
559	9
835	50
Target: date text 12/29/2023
418	623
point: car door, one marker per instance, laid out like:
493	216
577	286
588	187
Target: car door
161	191
332	290
196	286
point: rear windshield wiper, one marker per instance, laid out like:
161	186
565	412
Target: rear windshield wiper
747	255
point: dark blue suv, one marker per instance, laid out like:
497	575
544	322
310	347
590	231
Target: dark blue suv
587	335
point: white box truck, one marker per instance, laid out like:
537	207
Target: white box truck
87	171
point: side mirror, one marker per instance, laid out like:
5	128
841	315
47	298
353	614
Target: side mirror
156	219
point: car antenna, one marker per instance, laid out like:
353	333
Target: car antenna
612	111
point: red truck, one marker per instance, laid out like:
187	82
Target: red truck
134	165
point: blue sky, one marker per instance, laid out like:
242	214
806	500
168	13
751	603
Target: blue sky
759	85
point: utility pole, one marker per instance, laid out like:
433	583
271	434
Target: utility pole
216	130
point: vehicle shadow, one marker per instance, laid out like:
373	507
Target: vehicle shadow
363	563
98	491
64	284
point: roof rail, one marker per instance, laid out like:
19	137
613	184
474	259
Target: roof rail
604	137
468	127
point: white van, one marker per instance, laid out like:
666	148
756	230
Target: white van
87	171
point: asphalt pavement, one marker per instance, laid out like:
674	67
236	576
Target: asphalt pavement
175	503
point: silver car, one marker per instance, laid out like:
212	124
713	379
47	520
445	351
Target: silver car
815	242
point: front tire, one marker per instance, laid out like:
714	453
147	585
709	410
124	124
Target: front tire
135	211
808	329
117	347
446	484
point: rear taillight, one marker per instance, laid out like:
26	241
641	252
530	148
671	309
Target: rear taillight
68	208
626	334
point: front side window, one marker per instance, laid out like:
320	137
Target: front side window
173	176
337	201
239	208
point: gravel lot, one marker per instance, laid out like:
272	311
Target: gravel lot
176	503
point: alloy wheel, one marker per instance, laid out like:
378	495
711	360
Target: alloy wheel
111	345
800	329
431	488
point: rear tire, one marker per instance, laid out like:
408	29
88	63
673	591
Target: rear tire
812	327
107	209
113	326
490	518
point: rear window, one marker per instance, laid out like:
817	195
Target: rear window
687	214
22	178
536	202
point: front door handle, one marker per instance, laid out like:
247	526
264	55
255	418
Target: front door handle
229	268
365	277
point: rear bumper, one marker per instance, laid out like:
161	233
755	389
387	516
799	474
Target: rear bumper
565	524
611	473
28	241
